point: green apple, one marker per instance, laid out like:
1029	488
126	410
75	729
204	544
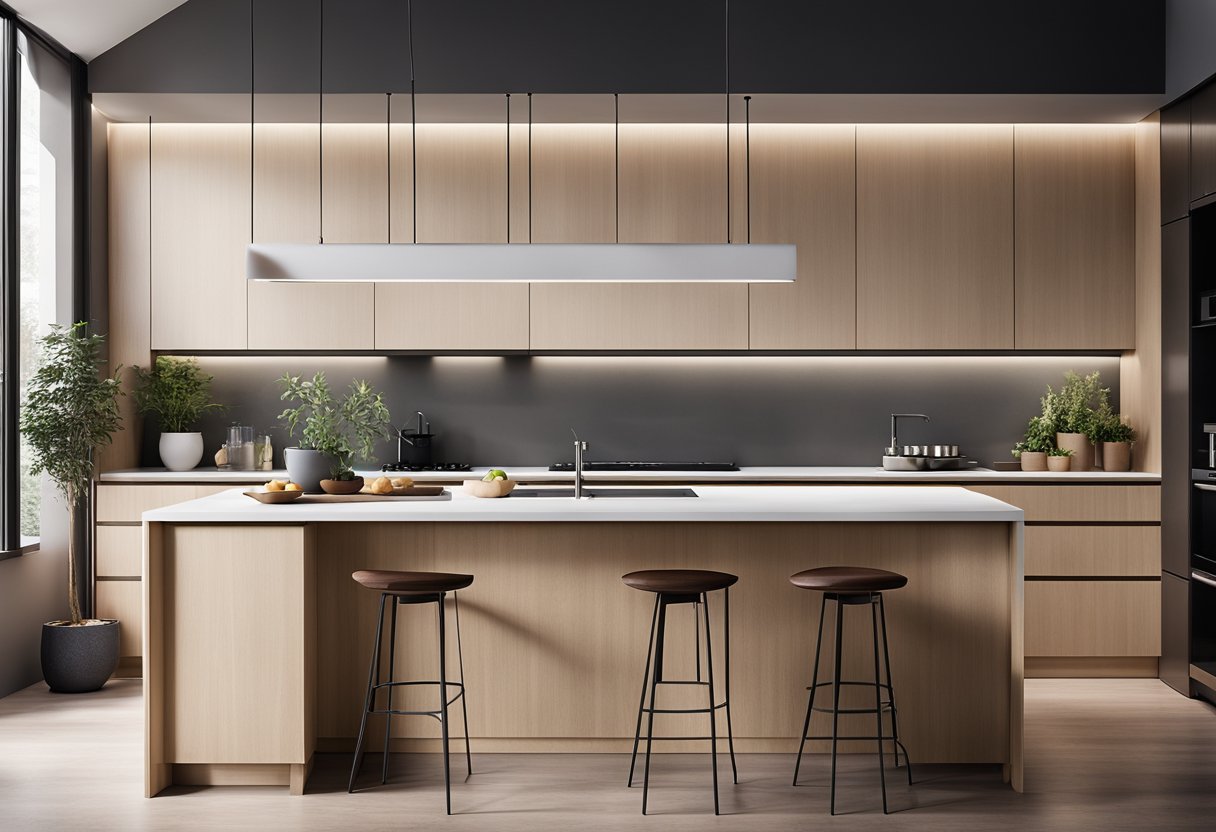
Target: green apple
494	474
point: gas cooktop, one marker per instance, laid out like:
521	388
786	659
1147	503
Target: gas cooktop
446	466
647	466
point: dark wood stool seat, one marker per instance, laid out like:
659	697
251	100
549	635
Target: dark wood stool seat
679	581
389	580
847	580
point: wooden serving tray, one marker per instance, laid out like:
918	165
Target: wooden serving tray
418	492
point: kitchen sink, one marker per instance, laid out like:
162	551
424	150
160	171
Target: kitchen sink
597	493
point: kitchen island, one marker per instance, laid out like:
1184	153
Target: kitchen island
256	640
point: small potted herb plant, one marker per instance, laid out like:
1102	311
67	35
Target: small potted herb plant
1073	413
1059	459
70	410
178	392
1116	437
1032	450
331	432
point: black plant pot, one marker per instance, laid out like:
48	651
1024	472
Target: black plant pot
79	659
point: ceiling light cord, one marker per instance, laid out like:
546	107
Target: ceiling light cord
388	165
409	10
616	162
321	122
508	123
747	156
529	168
726	29
252	97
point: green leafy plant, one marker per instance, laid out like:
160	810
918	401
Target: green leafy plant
1110	427
1074	408
70	410
1040	437
1059	452
177	391
339	429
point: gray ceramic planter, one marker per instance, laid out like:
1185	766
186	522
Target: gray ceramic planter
79	659
307	468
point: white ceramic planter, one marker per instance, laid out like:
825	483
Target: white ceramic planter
181	451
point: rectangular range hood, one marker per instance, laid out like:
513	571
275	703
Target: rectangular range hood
522	263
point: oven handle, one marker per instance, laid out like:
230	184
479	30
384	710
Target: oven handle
1204	486
1203	579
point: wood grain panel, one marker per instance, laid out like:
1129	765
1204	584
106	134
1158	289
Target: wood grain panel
127	503
1080	503
1140	370
1074	236
935	237
200	229
1091	667
560	641
461	199
123	600
130	293
1093	618
238	598
312	316
672	190
355	207
1100	551
119	552
803	192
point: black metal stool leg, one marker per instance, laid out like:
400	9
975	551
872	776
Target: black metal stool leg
730	733
637	731
810	705
882	774
392	669
464	707
886	653
713	714
656	673
836	700
443	702
373	676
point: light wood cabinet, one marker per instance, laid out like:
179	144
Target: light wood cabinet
935	237
1074	236
803	192
200	208
1093	618
462	198
123	600
672	189
1081	503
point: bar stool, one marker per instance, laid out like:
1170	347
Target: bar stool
672	587
850	586
413	588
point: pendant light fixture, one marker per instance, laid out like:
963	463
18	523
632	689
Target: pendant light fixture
531	262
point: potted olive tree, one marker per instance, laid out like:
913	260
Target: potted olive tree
1073	413
178	392
70	410
1116	437
1032	451
331	432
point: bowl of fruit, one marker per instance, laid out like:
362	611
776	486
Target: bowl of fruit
277	491
496	483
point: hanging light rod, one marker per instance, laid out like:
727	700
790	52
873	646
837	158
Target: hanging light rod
527	263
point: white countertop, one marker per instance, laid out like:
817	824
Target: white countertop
762	474
714	503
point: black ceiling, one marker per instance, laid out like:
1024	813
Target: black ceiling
648	46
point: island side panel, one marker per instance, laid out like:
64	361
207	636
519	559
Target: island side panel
555	645
158	773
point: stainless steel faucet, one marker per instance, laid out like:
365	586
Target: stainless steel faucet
579	447
895	449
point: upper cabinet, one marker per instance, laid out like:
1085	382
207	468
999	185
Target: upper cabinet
672	190
1203	142
200	228
1175	161
1075	240
934	237
803	184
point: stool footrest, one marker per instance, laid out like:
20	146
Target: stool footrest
685	710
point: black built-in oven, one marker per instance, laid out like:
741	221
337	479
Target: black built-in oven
1203	575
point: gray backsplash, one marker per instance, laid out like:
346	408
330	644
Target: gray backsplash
751	410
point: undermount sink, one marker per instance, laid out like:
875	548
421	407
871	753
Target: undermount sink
597	493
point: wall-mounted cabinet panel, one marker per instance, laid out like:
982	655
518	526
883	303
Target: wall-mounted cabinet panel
200	228
462	198
934	237
1075	236
1175	161
803	185
1203	142
286	209
672	190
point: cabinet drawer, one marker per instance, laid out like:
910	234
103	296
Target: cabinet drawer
1099	551
1081	503
120	551
125	503
123	600
1093	618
